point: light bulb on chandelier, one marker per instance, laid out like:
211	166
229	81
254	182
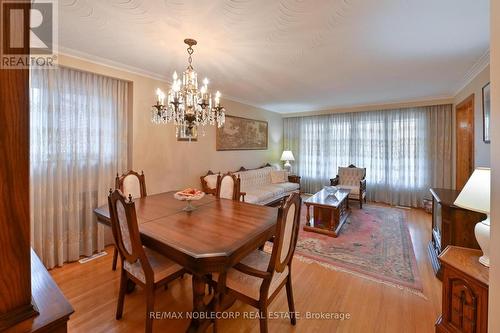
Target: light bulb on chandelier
188	107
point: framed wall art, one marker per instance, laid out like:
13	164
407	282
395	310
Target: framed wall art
486	113
242	134
186	134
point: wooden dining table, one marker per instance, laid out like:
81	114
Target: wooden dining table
212	238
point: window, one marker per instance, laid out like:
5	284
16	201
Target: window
393	145
78	141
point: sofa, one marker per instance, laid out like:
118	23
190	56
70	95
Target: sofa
262	186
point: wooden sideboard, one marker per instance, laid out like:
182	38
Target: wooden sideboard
53	308
451	225
465	292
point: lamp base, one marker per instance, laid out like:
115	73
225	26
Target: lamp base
485	261
288	166
482	232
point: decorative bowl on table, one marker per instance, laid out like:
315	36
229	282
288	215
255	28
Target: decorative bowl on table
189	194
331	189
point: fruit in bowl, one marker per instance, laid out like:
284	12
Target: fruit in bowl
189	194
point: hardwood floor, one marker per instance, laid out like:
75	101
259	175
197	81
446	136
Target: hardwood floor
92	289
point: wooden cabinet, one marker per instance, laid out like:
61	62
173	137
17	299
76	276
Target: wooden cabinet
53	308
29	299
465	292
451	225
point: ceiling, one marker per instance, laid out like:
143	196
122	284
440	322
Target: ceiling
290	55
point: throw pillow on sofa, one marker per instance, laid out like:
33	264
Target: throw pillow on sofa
211	181
279	176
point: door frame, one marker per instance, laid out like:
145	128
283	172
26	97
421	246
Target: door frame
469	99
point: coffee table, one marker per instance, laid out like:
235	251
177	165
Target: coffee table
330	211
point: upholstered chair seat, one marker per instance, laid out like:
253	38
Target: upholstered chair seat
354	194
162	266
250	285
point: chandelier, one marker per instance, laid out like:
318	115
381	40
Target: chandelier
186	106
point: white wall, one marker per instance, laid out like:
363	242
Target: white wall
170	164
494	297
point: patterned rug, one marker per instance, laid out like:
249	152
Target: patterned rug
374	243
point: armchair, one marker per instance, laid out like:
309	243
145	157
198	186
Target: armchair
352	178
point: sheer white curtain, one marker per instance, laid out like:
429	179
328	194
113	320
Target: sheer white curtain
405	151
78	143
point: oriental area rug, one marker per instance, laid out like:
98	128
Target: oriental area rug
374	244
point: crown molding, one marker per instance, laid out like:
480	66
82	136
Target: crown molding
476	68
137	71
393	104
482	62
110	63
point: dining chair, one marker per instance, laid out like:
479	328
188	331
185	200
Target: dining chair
260	276
145	267
131	182
229	187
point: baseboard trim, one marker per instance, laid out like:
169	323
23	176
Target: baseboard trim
93	257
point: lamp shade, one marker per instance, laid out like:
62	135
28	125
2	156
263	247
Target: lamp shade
287	156
476	193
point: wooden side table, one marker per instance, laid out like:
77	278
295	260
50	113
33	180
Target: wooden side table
465	292
294	179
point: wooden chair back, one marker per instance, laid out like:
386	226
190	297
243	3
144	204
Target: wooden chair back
126	231
228	186
287	231
131	182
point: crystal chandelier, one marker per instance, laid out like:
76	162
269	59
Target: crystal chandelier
187	106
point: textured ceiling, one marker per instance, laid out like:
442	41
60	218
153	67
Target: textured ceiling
290	55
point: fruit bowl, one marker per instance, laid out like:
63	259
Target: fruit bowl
189	194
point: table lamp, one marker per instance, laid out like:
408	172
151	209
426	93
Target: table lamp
476	196
287	156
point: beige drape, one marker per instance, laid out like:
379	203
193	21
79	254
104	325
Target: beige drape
440	119
78	143
406	151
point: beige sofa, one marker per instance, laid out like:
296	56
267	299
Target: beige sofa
262	186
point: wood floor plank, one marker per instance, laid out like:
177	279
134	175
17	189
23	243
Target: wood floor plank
92	289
